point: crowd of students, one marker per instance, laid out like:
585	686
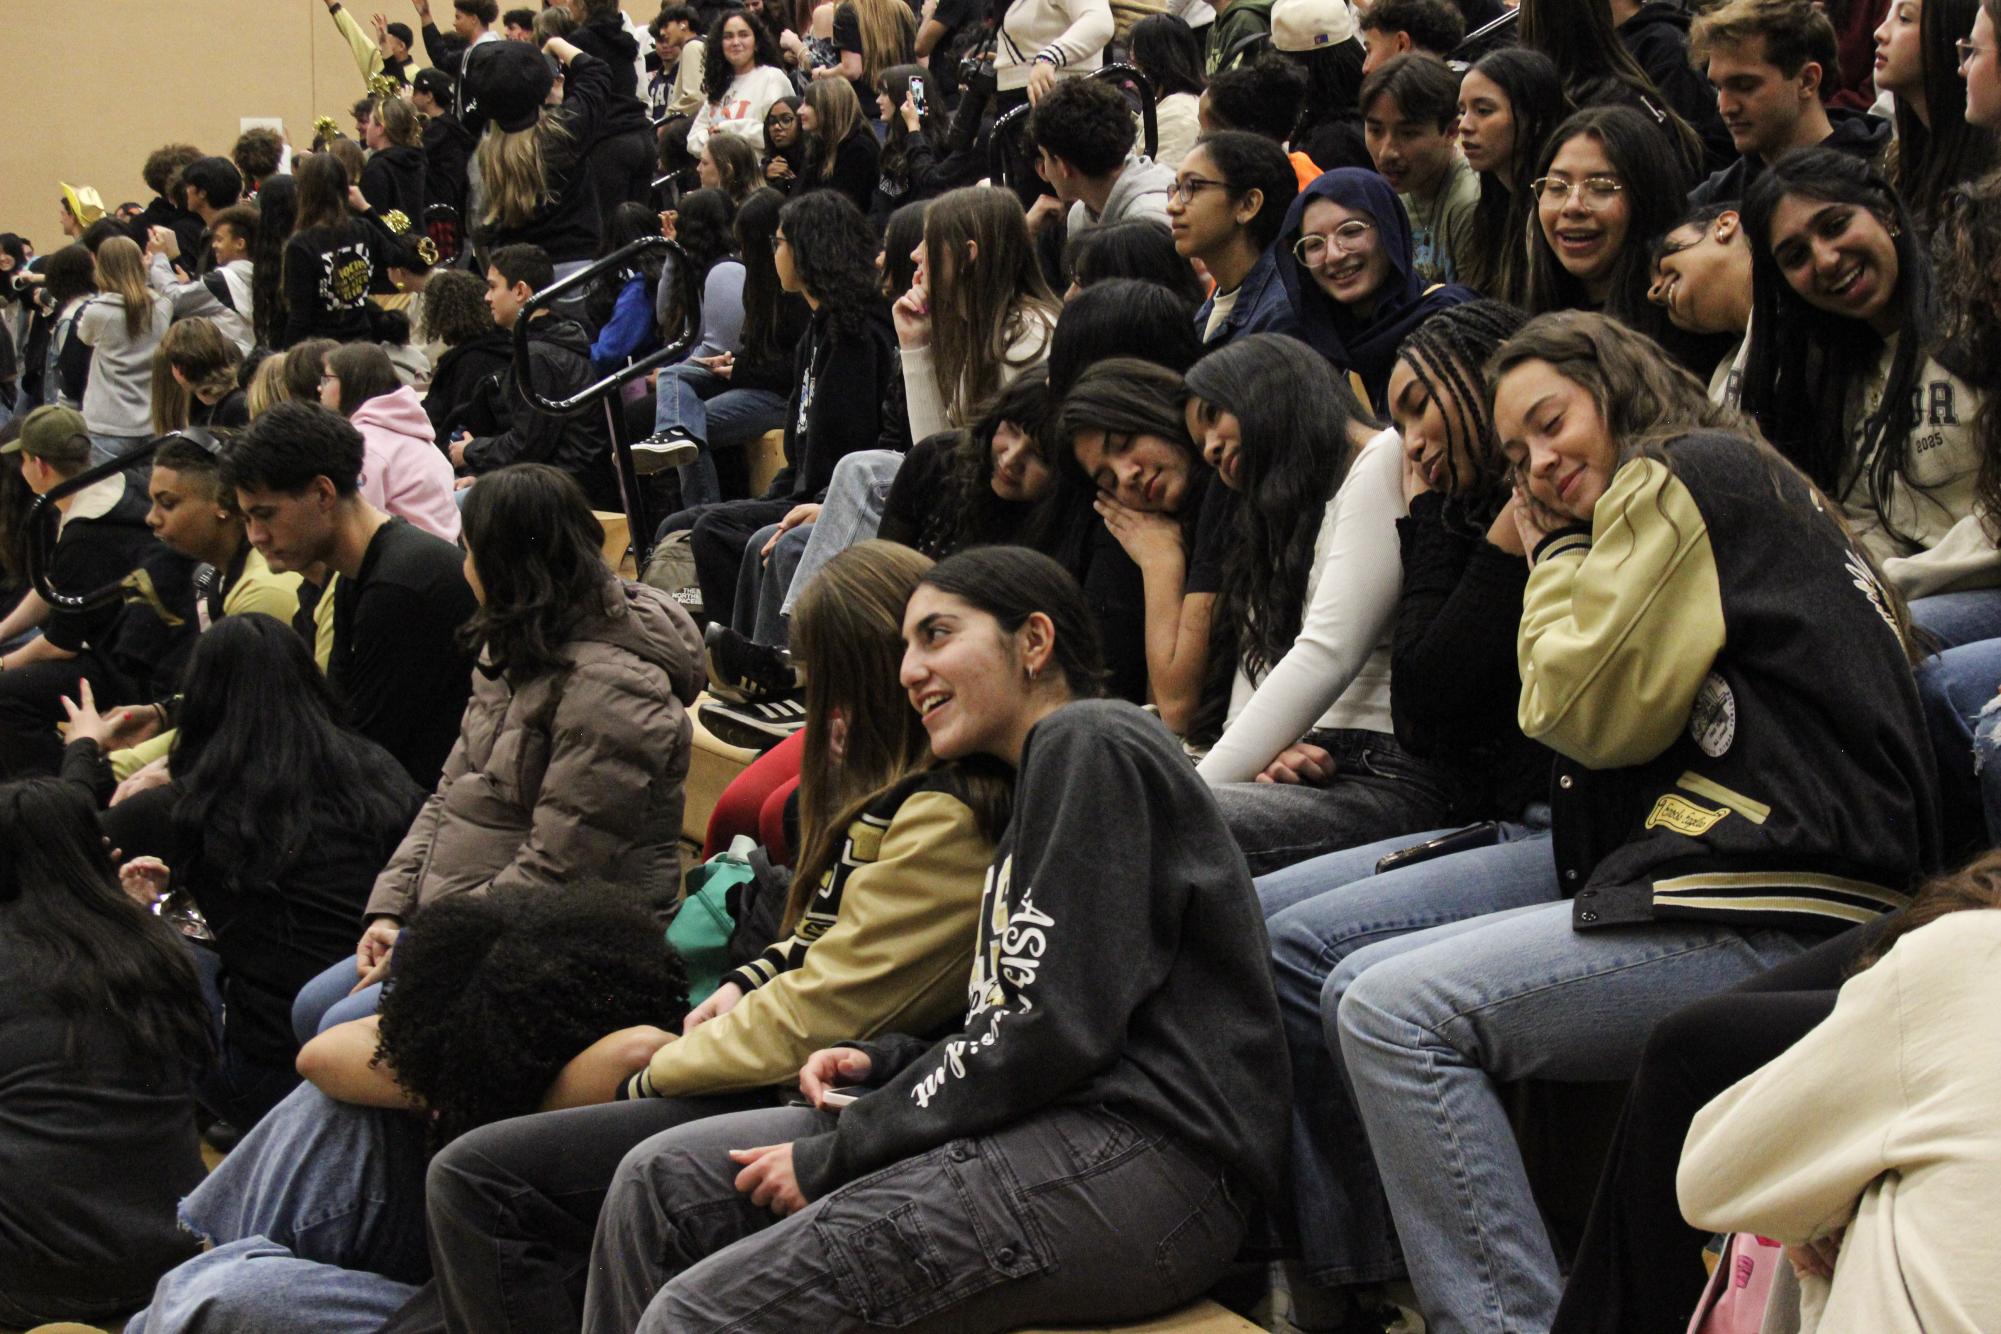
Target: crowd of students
1470	570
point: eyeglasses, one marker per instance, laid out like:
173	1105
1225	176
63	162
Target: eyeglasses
783	118
1967	50
1349	238
1187	187
779	242
1595	191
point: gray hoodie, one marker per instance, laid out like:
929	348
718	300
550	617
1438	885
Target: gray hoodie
118	399
1140	192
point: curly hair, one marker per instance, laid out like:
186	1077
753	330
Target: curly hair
833	253
1967	252
716	72
455	309
495	993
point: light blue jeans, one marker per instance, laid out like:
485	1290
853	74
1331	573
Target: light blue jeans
851	513
1434	1019
319	1210
104	448
715	416
324	1002
1318	913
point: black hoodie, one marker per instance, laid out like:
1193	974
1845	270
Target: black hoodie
559	355
566	225
1855	132
457	376
1657	37
394	179
605	37
840	377
447	151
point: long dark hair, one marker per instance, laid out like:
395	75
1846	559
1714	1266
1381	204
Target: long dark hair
323	186
1501	221
1012	583
716	71
970	513
1333	76
1169	53
1136	248
1655	194
628	222
277	214
82	947
756	224
262	748
539	553
931	126
1598	71
833	252
1294	415
1448	355
1801	360
1121	317
1967	244
1927	160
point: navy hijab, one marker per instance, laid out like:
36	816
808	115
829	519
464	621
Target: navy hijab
1365	347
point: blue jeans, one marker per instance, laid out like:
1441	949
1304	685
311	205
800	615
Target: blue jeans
324	1002
1955	619
104	448
762	581
1431	1023
715	416
852	512
320	1209
1318	913
1070	1215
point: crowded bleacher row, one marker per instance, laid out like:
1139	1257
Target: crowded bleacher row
1357	645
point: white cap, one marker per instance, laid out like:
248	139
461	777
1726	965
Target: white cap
1311	25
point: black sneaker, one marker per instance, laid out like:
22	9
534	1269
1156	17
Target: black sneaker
740	668
662	450
758	726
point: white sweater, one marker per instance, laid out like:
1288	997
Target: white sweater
1337	673
741	109
929	413
1883	1119
1072	33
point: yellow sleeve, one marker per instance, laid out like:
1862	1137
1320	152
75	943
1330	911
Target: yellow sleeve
125	763
262	591
1618	634
366	57
896	960
323	624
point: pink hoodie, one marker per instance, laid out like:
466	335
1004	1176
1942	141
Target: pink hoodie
404	471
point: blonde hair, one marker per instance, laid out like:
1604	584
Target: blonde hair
399	122
121	272
979	309
836	113
889	34
514	166
208	361
267	385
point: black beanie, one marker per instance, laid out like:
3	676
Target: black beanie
507	82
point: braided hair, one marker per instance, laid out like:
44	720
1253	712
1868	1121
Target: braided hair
1447	354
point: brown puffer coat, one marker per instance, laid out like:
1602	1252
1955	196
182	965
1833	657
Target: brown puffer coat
574	775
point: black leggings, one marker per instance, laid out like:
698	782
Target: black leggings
1638	1268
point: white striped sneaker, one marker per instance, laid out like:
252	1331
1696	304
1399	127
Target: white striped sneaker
758	726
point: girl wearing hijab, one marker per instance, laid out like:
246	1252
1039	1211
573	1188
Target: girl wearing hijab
1350	276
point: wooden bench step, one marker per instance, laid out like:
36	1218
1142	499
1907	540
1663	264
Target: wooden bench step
1203	1317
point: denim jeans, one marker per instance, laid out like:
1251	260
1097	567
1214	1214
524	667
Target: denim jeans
1070	1216
852	512
1433	1020
762	582
320	1209
1380	791
1960	618
104	448
715	416
1957	689
1318	914
325	1002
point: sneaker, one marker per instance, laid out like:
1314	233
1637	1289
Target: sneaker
740	668
755	726
662	450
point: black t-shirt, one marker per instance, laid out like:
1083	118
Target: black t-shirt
95	1151
103	539
848	37
396	655
961	19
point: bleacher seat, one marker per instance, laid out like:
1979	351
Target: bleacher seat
762	458
711	766
1199	1318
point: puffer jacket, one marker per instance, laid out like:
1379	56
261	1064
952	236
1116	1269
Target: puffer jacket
572	775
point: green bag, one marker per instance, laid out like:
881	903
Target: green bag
700	931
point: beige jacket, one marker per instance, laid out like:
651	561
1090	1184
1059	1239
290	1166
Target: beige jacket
1886	1120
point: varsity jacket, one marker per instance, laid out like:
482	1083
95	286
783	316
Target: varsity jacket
883	946
1737	728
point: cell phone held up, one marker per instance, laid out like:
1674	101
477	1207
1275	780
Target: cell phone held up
917	95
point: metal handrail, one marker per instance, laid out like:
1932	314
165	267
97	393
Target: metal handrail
1005	125
605	390
1472	46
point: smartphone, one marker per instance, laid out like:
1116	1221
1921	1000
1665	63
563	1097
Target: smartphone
917	93
1483	835
835	1099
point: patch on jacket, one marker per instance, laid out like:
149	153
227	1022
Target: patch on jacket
1712	723
1682	816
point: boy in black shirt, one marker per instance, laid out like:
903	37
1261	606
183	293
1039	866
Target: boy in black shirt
402	593
102	540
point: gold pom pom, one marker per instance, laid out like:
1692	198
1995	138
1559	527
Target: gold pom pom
397	221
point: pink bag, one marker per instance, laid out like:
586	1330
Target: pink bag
1734	1302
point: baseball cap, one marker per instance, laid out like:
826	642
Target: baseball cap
54	435
434	83
1311	25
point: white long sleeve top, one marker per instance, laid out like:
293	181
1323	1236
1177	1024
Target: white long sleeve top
1337	673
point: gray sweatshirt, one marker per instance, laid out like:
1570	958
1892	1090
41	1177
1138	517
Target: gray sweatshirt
118	400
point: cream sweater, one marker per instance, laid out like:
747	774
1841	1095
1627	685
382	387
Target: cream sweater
1886	1120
